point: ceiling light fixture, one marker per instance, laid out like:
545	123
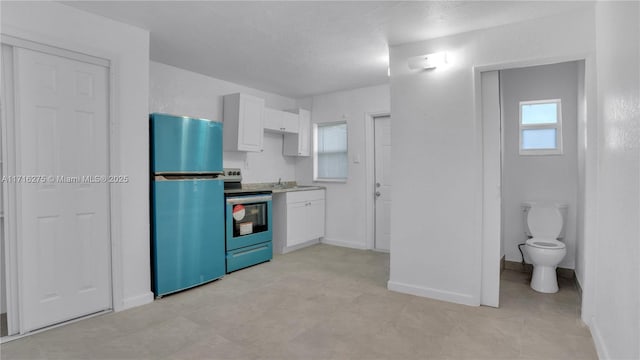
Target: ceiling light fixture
429	61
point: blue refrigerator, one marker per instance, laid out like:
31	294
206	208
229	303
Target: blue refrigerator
187	198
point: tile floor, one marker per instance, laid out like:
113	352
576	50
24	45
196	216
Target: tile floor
323	302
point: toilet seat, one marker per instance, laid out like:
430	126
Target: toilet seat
545	243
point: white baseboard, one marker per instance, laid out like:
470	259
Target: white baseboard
449	296
137	300
347	244
381	251
6	339
288	249
601	348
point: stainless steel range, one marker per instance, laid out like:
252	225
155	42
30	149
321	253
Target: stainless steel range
248	223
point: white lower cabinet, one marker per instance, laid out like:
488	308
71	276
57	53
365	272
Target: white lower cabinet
298	219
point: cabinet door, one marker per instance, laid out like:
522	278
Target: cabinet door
272	120
250	124
290	122
304	133
297	228
298	144
315	211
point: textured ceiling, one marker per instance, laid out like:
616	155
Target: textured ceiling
302	48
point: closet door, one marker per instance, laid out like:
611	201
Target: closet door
63	226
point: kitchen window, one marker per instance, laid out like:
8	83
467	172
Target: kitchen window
541	127
330	155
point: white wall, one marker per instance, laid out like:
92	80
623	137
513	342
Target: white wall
346	203
62	26
551	178
436	212
616	319
181	92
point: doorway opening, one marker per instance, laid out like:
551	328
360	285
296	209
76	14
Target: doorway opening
517	174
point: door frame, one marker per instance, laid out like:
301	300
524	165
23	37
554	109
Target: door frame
487	280
9	198
492	178
370	176
64	48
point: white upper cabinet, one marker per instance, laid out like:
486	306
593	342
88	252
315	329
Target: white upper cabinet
243	118
290	123
280	121
299	144
272	119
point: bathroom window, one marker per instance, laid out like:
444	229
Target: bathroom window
330	157
541	127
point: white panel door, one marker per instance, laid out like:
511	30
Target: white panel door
382	134
61	119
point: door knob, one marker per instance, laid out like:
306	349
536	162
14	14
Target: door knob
378	184
378	193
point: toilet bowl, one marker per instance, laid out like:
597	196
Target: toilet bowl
545	224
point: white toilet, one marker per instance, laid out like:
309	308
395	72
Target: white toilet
544	225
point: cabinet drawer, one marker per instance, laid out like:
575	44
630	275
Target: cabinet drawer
247	256
310	195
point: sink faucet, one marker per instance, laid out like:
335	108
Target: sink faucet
279	181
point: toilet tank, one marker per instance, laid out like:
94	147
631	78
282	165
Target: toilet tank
562	207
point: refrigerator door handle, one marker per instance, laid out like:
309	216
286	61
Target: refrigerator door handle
248	199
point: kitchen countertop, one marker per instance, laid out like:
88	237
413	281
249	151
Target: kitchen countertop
286	186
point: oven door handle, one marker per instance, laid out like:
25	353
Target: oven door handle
248	199
246	252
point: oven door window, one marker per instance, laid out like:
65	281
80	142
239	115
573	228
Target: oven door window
249	219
